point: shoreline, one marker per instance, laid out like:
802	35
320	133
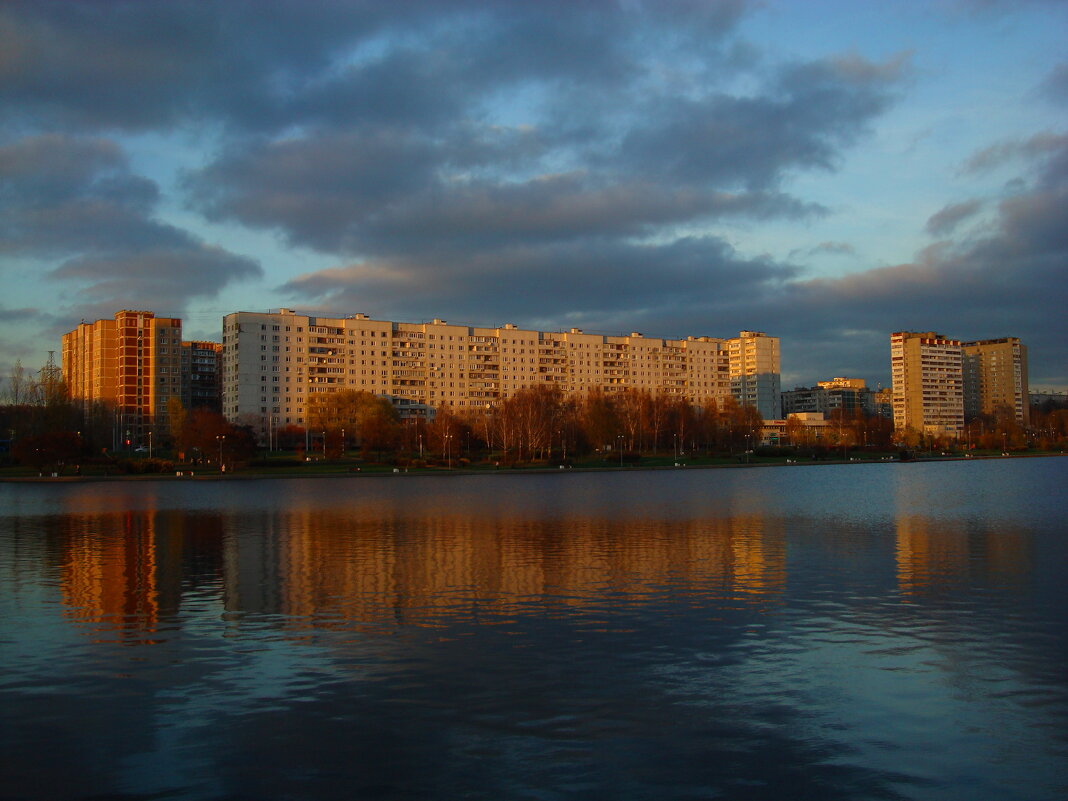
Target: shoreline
403	472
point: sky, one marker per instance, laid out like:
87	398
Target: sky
827	172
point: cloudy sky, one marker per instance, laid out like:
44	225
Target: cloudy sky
825	171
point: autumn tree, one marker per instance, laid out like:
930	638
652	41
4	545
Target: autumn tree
361	416
598	419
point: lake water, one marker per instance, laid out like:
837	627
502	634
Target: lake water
882	631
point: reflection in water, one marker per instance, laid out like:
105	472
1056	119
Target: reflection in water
746	635
125	572
327	567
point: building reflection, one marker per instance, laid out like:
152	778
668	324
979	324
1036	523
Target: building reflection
333	568
932	553
125	573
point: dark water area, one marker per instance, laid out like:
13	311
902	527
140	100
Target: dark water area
883	631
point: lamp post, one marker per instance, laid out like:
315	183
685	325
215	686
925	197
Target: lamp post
448	450
149	443
342	443
221	438
324	444
619	443
675	440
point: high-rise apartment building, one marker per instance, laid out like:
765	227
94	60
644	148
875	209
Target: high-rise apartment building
133	362
928	383
754	371
274	362
995	376
136	363
201	375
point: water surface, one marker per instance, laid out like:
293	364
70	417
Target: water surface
884	631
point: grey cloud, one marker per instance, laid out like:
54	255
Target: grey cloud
383	190
19	315
146	65
71	198
143	65
809	113
827	248
1035	147
1055	87
151	276
600	283
950	216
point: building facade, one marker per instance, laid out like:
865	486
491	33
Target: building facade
202	375
995	376
849	394
754	370
928	383
272	363
132	363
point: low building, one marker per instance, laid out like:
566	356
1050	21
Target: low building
813	428
848	394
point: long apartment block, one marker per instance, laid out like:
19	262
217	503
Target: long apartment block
274	362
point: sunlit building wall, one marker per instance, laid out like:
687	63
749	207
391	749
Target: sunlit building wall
274	362
995	376
133	362
928	383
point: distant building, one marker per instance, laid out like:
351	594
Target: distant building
1056	400
995	375
928	382
754	371
848	394
776	432
883	403
202	374
136	363
273	363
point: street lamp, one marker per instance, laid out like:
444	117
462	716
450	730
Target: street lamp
675	440
619	442
221	438
342	442
448	449
324	444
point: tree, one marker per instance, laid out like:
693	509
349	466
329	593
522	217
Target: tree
599	419
51	449
369	419
176	415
